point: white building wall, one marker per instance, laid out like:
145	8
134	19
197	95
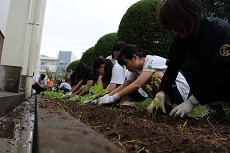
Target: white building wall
21	23
13	47
4	11
73	58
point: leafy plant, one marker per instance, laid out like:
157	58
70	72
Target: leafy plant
157	100
97	89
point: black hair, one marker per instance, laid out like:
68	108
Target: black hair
72	79
82	71
42	76
179	15
107	71
117	46
129	50
98	62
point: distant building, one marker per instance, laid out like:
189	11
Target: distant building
57	66
64	59
45	63
21	24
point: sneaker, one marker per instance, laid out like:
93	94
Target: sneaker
217	115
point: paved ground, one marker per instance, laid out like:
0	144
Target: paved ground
59	132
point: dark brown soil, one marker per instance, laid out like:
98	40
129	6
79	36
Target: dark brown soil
134	131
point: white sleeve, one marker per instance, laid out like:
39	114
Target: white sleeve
154	63
37	78
118	74
132	76
61	85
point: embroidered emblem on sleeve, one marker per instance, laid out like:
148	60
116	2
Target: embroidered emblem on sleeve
225	50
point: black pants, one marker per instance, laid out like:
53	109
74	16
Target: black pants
174	95
38	88
64	89
197	72
136	96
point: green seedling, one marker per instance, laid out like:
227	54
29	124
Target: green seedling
157	103
157	100
97	89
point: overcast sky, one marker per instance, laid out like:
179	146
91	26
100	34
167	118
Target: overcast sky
76	25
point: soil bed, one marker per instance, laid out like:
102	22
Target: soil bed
134	131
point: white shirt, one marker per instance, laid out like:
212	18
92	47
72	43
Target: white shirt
65	85
156	63
111	58
37	79
69	74
119	74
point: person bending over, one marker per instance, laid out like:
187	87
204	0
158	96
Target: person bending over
142	67
200	48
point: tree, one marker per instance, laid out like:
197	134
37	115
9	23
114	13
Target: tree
104	45
139	26
73	65
217	8
87	56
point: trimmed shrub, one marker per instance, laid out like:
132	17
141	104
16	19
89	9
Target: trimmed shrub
104	45
73	65
87	57
139	26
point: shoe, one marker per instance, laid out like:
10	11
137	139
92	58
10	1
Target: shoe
217	115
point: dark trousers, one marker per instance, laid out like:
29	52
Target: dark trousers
38	88
198	72
174	95
64	89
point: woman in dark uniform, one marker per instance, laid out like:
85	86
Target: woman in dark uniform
201	49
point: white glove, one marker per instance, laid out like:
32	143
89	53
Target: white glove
102	98
106	99
159	98
70	94
89	99
94	101
185	108
74	97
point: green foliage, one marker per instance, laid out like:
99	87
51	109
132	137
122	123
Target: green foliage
49	74
61	74
156	100
220	9
104	45
149	88
139	26
154	78
94	90
157	103
53	95
200	109
98	89
73	64
87	57
144	103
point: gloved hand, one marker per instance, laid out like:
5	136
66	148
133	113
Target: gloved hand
70	94
159	98
106	99
184	108
74	97
94	101
89	99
